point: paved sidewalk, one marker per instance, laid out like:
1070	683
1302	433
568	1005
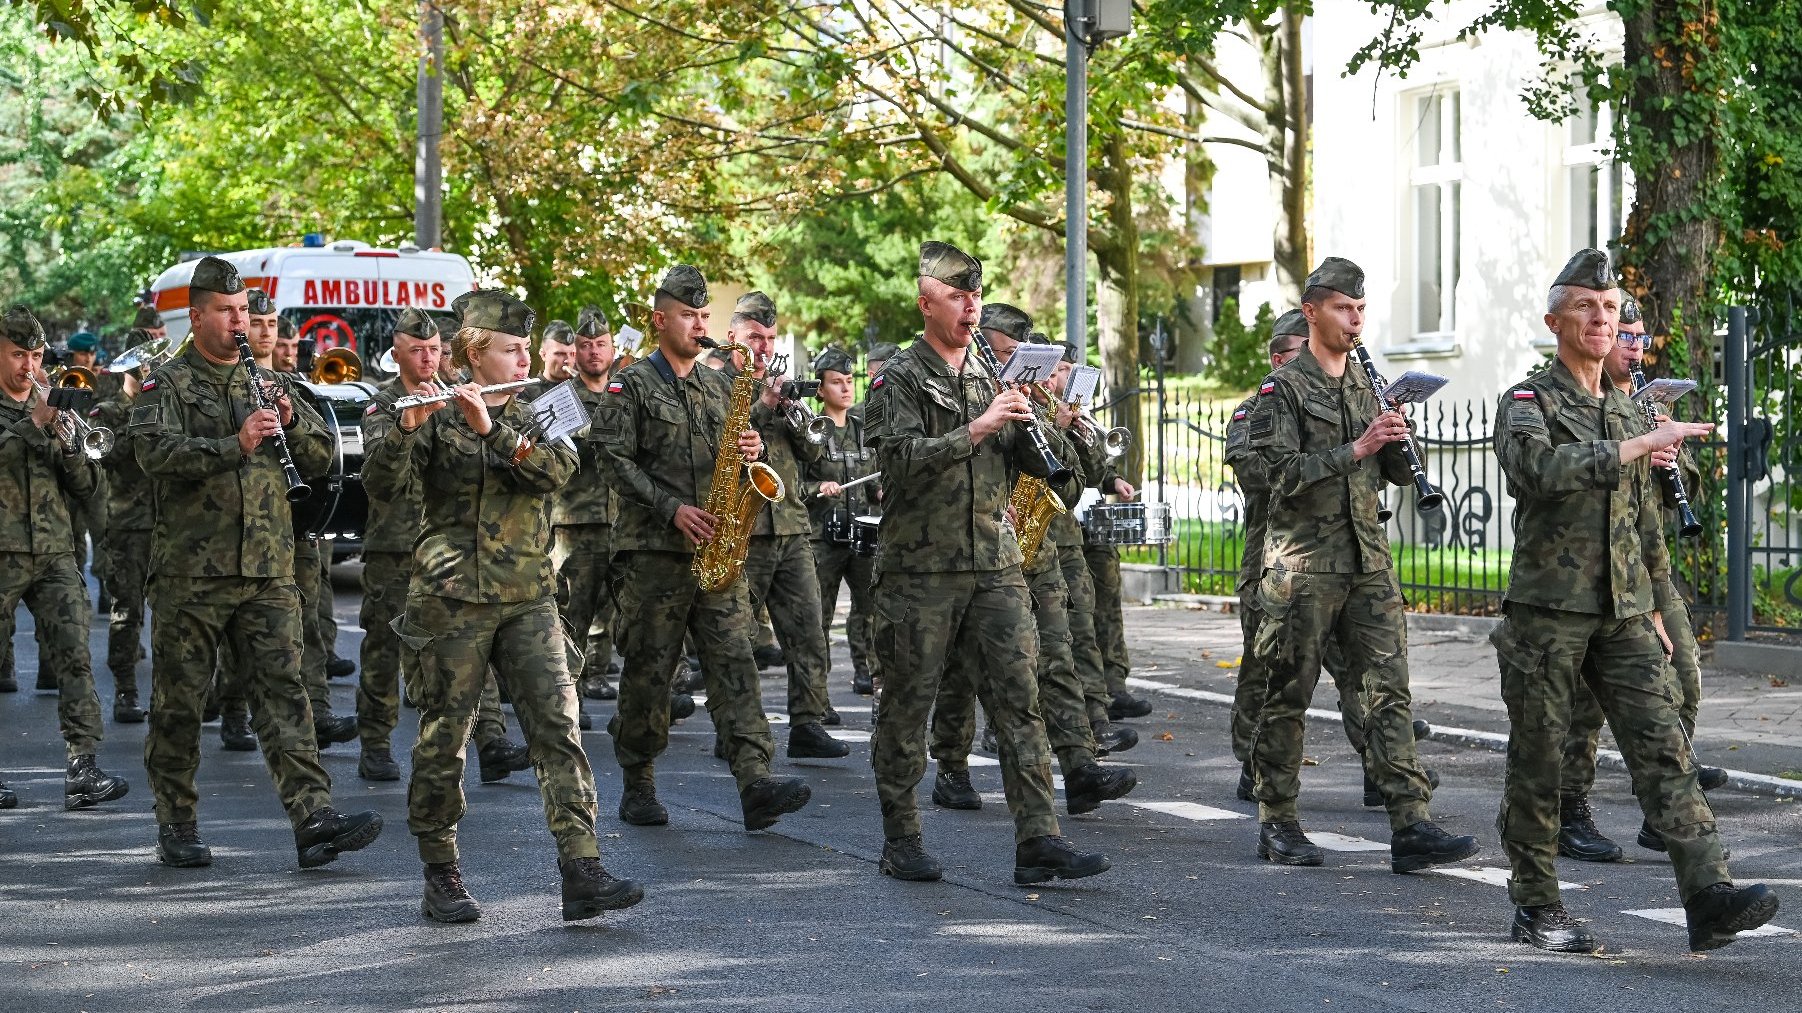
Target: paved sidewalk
1746	724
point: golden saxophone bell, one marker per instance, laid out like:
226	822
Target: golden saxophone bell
337	365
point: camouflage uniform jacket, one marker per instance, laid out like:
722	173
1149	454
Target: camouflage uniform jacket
35	476
130	497
1588	532
788	452
588	497
945	496
219	513
485	524
1323	503
388	480
843	458
1094	471
1254	486
661	434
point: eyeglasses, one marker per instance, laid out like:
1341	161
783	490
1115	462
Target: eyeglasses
1643	341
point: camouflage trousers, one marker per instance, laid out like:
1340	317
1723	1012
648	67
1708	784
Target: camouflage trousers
1061	702
836	564
782	576
52	588
659	604
1363	611
129	569
326	632
1578	774
1110	616
453	645
260	618
920	620
1254	683
1085	650
582	555
312	647
1547	658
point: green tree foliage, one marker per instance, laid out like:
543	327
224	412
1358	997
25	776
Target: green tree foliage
1240	353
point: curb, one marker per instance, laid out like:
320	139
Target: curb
1495	742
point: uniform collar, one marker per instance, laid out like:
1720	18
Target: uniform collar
975	367
1567	381
663	368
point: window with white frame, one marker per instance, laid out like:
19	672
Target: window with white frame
1435	211
1596	185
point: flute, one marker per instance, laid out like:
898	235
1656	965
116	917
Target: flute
417	400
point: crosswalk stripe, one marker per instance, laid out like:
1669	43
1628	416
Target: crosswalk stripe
849	734
1188	810
1489	874
1340	842
1677	916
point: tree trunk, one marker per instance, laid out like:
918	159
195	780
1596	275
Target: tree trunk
1670	237
1117	302
1285	125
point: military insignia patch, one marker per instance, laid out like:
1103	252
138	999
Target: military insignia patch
372	409
876	383
149	385
1525	395
615	387
1269	385
1238	415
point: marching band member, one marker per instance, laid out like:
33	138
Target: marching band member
844	458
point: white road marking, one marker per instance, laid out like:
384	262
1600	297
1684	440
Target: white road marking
773	717
1491	875
849	734
1676	916
1340	842
1188	810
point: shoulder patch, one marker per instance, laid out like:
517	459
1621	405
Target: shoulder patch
149	384
1240	414
1269	385
1524	394
374	406
876	382
615	386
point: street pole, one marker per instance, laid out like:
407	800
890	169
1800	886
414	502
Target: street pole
428	169
1076	179
1739	517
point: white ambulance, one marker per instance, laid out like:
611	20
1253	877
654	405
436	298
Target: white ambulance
341	294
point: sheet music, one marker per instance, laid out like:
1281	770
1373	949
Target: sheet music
1032	363
1413	387
1081	387
559	413
1664	390
629	340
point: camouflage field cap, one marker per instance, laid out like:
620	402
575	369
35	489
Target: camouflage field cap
84	341
494	309
259	303
1587	269
1007	319
1630	312
1039	338
686	285
950	265
591	324
756	306
147	318
1291	322
285	329
21	328
137	336
1069	352
882	351
560	331
215	275
1340	275
833	359
416	323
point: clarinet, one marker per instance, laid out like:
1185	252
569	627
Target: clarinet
1687	525
1429	498
1055	470
297	487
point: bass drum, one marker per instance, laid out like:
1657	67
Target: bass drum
338	508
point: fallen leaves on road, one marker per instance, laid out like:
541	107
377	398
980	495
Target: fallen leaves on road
1166	737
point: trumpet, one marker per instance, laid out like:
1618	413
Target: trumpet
336	365
418	400
73	430
1114	442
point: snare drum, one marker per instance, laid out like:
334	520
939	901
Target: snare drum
838	526
338	508
863	535
1128	524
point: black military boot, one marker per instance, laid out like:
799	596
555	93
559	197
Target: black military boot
178	845
688	677
1711	777
1124	705
377	764
601	688
1423	845
446	898
681	705
768	799
1283	842
1112	738
9	680
906	858
1550	927
589	889
339	668
85	784
1040	859
47	681
327	833
862	685
991	743
333	728
1421	729
501	757
125	708
1089	785
1649	837
235	734
583	721
1248	787
1578	837
768	657
810	741
832	718
9	799
639	807
951	789
1373	795
1722	911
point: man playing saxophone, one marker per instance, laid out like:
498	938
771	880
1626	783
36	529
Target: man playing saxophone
662	427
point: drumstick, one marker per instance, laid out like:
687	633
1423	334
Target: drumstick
859	481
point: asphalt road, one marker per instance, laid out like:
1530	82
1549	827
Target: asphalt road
799	919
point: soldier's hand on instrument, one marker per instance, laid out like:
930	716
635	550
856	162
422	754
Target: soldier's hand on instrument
1388	427
129	384
475	410
42	414
694	522
829	489
1665	457
258	426
413	418
1668	434
1009	406
750	445
278	396
1066	415
1123	488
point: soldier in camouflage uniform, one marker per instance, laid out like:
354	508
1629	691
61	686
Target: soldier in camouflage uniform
222	566
948	573
39	475
1086	783
780	565
662	429
557	350
1589	579
130	514
1327	452
844	458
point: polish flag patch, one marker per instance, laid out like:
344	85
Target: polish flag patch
148	385
615	387
1269	385
876	383
1238	415
372	409
1524	395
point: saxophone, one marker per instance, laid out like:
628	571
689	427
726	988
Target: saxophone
733	502
1035	506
